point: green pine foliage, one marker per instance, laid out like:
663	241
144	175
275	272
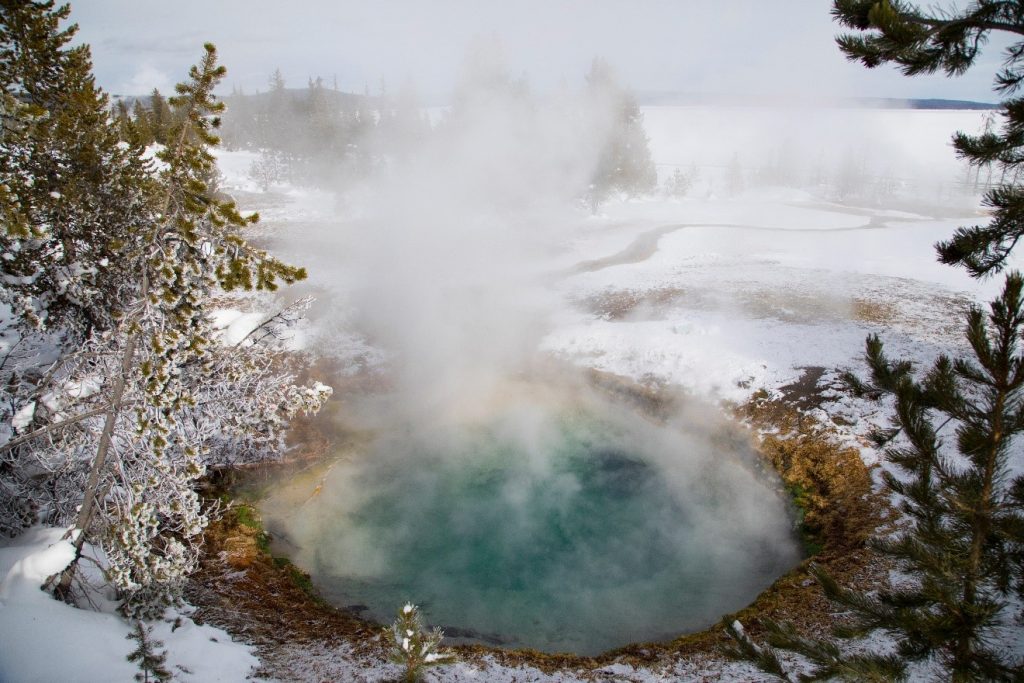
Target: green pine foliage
63	230
926	40
962	548
966	534
161	118
955	429
414	647
152	663
827	659
151	120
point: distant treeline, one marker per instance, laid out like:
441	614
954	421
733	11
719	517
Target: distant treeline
319	135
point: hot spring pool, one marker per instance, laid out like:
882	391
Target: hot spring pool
575	528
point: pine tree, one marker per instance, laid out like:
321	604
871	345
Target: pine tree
966	536
624	163
414	647
923	41
143	124
152	664
679	183
63	229
277	125
189	250
71	196
160	118
277	82
963	546
123	117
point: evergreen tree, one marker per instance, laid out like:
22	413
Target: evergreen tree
679	183
152	664
276	81
123	117
923	41
144	133
321	131
277	121
160	118
414	647
117	392
183	256
963	548
624	163
69	198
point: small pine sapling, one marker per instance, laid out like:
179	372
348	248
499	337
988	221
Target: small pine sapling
152	664
413	646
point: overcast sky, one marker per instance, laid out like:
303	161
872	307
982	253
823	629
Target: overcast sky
688	46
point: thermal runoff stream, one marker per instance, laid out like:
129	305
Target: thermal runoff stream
562	525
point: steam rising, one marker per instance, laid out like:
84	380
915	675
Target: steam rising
480	454
451	257
547	517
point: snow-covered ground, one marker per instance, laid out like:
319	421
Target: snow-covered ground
743	291
723	291
736	287
45	640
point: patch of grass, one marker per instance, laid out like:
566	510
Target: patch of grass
621	304
246	516
263	599
878	312
298	577
801	497
829	484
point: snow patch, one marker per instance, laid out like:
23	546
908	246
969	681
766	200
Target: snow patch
45	640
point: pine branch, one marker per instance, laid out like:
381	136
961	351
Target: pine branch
763	657
52	427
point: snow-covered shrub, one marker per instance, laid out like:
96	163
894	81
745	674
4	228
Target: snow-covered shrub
269	168
414	647
679	183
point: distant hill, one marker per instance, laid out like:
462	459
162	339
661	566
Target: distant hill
884	103
687	99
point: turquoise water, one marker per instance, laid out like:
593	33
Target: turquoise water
555	532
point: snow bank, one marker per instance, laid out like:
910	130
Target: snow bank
234	168
45	640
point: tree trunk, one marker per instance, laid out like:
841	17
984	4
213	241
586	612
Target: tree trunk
89	495
85	514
